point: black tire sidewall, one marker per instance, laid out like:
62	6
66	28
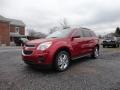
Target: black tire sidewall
93	53
56	67
103	46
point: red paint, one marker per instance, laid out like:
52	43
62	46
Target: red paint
75	46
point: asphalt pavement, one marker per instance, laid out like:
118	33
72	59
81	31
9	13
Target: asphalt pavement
84	74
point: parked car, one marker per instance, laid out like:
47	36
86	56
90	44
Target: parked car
111	42
23	41
20	41
60	47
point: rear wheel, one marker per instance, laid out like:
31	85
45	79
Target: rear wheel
117	45
62	61
103	46
95	52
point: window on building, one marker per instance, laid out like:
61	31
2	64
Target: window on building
17	29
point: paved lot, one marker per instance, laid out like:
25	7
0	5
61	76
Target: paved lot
84	74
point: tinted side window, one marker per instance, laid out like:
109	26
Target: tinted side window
81	33
86	33
76	33
92	34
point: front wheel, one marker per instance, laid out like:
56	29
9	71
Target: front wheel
95	52
62	61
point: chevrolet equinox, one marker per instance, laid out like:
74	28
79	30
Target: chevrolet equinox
60	47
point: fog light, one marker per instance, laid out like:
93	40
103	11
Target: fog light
41	59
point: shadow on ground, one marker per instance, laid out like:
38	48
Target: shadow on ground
52	71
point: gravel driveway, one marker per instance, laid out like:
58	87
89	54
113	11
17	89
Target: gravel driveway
84	74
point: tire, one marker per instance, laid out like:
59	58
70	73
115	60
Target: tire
95	53
103	46
113	46
62	61
117	45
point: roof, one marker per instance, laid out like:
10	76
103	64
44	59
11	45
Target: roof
16	35
77	26
3	18
12	21
16	22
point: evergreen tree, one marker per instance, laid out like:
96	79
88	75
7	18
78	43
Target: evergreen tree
117	32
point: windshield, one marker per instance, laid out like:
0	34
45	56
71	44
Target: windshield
109	38
24	40
59	34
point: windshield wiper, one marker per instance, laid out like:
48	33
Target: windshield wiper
54	37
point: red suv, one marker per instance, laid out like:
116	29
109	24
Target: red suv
60	47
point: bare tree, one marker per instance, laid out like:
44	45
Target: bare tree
64	24
53	29
117	32
31	32
40	35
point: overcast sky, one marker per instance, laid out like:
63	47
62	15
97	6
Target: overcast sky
100	15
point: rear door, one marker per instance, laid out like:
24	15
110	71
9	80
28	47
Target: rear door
87	41
93	40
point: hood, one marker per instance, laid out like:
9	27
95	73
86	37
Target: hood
38	41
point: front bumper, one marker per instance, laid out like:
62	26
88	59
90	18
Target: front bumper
38	65
109	43
36	58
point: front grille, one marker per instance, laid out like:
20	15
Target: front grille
109	42
27	52
104	41
29	45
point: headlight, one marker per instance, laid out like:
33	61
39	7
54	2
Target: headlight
44	46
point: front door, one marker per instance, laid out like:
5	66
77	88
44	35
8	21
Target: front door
77	44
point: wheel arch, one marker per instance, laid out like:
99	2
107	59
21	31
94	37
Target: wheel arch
98	46
61	49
